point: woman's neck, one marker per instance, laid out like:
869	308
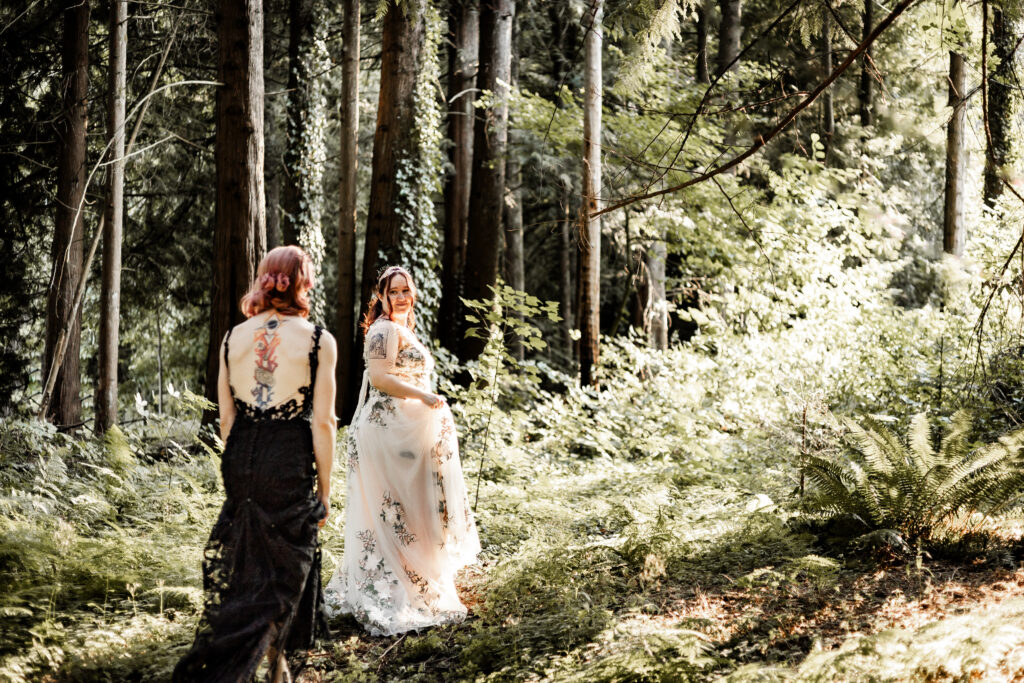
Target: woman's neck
400	319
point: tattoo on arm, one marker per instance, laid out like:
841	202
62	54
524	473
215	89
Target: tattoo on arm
376	348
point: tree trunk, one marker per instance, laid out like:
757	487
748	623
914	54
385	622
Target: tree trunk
300	29
828	123
590	227
348	363
401	43
954	232
113	227
273	180
1000	106
515	271
464	25
657	304
729	34
703	75
865	90
65	407
305	148
240	237
486	198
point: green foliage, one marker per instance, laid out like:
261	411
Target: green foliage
911	487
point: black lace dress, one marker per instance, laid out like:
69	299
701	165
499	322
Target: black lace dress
261	568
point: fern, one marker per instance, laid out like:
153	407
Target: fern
911	487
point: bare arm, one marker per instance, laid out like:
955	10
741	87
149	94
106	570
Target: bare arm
325	424
225	402
381	353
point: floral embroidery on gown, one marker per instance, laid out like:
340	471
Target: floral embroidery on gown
408	524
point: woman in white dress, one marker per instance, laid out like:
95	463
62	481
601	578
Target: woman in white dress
408	524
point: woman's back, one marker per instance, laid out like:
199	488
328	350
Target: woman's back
270	359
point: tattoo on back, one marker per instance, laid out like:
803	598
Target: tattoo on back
267	339
376	347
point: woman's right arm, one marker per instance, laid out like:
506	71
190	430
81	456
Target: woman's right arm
225	402
381	354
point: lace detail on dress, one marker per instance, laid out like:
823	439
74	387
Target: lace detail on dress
290	409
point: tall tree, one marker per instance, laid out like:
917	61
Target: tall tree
954	232
348	363
590	226
463	50
306	150
702	74
239	238
1000	104
515	271
730	31
486	199
67	254
401	44
113	226
865	88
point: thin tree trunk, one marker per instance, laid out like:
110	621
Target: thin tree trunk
590	227
463	53
515	271
657	305
729	34
865	90
954	232
110	297
348	363
240	237
703	75
1000	105
486	199
828	124
274	238
65	408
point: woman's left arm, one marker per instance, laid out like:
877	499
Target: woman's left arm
225	402
325	424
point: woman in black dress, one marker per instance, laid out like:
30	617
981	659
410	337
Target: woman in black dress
261	568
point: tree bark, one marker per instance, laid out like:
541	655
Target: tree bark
300	30
657	304
954	232
828	124
240	237
348	363
401	42
865	89
729	34
484	239
703	75
463	53
515	271
113	227
67	253
590	226
1000	106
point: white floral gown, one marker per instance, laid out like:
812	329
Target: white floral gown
408	524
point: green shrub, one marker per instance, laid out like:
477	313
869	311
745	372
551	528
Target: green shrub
912	488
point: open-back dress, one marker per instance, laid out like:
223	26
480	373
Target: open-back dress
408	524
261	567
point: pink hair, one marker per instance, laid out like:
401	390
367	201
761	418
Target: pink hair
282	282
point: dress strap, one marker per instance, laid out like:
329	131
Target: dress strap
314	357
227	368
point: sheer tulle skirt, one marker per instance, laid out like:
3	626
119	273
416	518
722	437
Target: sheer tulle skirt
408	525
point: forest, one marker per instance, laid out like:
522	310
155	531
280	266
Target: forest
726	296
